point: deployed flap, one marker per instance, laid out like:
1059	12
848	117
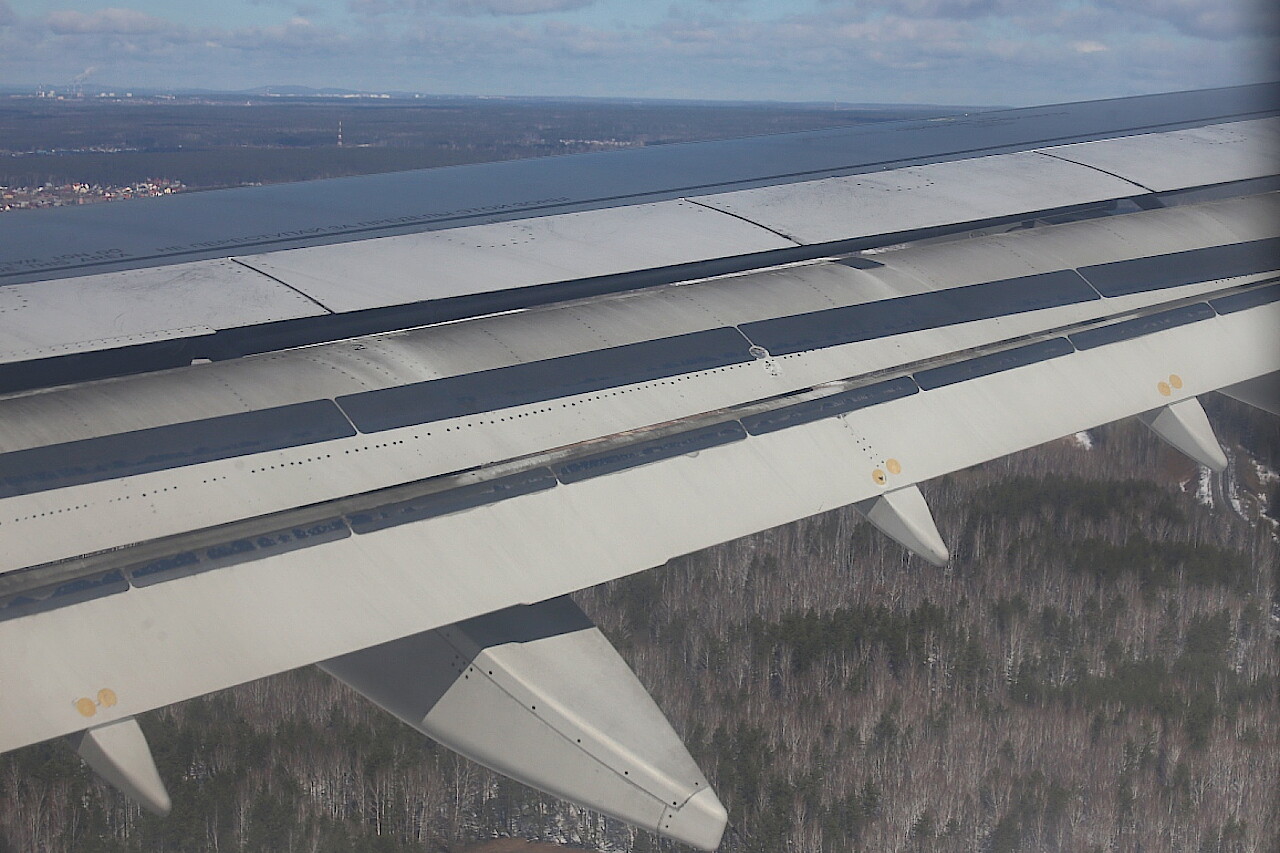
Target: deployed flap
538	694
904	516
1185	426
118	752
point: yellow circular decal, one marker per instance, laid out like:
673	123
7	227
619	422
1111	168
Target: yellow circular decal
1164	389
894	466
879	476
88	707
1175	380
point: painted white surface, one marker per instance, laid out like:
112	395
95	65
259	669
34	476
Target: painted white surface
1185	426
51	525
507	255
1201	156
562	713
118	752
904	516
243	622
920	196
118	309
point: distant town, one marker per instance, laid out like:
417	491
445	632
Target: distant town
59	195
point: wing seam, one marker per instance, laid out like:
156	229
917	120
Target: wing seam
282	282
739	216
1059	157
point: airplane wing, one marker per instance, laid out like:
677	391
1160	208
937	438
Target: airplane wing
385	424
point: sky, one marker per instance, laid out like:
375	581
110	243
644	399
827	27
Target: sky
1012	52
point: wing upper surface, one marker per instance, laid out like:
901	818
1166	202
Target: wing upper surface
364	490
635	359
52	332
411	422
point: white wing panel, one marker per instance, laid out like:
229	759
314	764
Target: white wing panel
1158	232
508	255
920	197
1201	156
109	310
244	621
1103	240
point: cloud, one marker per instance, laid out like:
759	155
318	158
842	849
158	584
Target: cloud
372	8
938	51
303	10
1088	47
297	35
1205	19
516	7
7	15
1211	19
114	21
949	8
499	8
959	9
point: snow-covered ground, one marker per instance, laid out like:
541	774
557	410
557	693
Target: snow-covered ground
1228	488
1084	439
1267	478
1265	475
1204	487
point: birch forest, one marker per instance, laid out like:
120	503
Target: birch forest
1095	670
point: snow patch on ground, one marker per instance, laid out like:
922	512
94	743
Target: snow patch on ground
1084	439
1233	498
1232	491
1204	488
1265	478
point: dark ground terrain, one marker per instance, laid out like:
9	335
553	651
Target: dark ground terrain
1097	669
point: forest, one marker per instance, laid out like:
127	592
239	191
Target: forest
1097	669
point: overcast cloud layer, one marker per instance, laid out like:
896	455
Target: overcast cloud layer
927	51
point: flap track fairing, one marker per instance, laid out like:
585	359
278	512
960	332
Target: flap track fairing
538	694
